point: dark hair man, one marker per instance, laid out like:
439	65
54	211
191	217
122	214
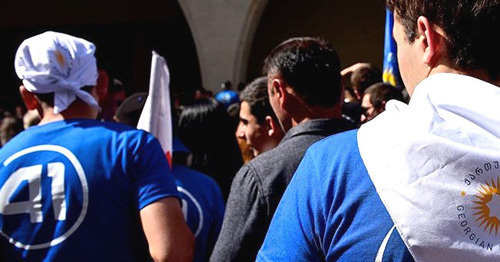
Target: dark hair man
375	98
77	189
304	91
360	76
10	126
421	180
258	125
364	77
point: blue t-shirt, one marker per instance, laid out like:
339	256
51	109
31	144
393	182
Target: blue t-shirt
202	206
331	211
72	190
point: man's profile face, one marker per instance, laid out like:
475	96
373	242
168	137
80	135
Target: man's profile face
369	111
250	130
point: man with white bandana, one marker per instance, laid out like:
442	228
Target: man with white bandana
77	189
421	181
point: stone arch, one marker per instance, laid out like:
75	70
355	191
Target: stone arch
223	33
247	38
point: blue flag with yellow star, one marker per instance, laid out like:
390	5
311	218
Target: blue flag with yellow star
391	70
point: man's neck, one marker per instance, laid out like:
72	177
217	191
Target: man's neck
78	109
477	73
316	112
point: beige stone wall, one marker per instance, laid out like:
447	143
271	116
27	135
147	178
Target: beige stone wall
223	31
355	28
232	37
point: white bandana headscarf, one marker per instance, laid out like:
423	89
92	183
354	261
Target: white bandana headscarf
58	63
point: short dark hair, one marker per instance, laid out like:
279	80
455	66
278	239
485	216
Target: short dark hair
10	126
207	117
310	66
381	92
471	28
364	77
207	130
255	94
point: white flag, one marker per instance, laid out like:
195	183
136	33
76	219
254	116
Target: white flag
435	165
156	117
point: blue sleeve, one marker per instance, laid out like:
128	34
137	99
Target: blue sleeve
292	233
153	179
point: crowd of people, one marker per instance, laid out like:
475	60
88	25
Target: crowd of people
309	162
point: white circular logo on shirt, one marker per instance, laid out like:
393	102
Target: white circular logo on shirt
188	201
33	182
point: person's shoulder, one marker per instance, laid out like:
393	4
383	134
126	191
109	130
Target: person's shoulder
137	142
250	177
124	131
184	173
271	171
118	128
199	185
340	143
334	153
334	160
249	171
266	162
86	131
292	148
280	160
15	144
84	126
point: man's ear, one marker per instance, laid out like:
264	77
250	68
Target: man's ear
94	93
383	106
29	98
273	128
431	41
278	90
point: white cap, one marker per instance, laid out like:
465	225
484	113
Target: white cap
58	63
